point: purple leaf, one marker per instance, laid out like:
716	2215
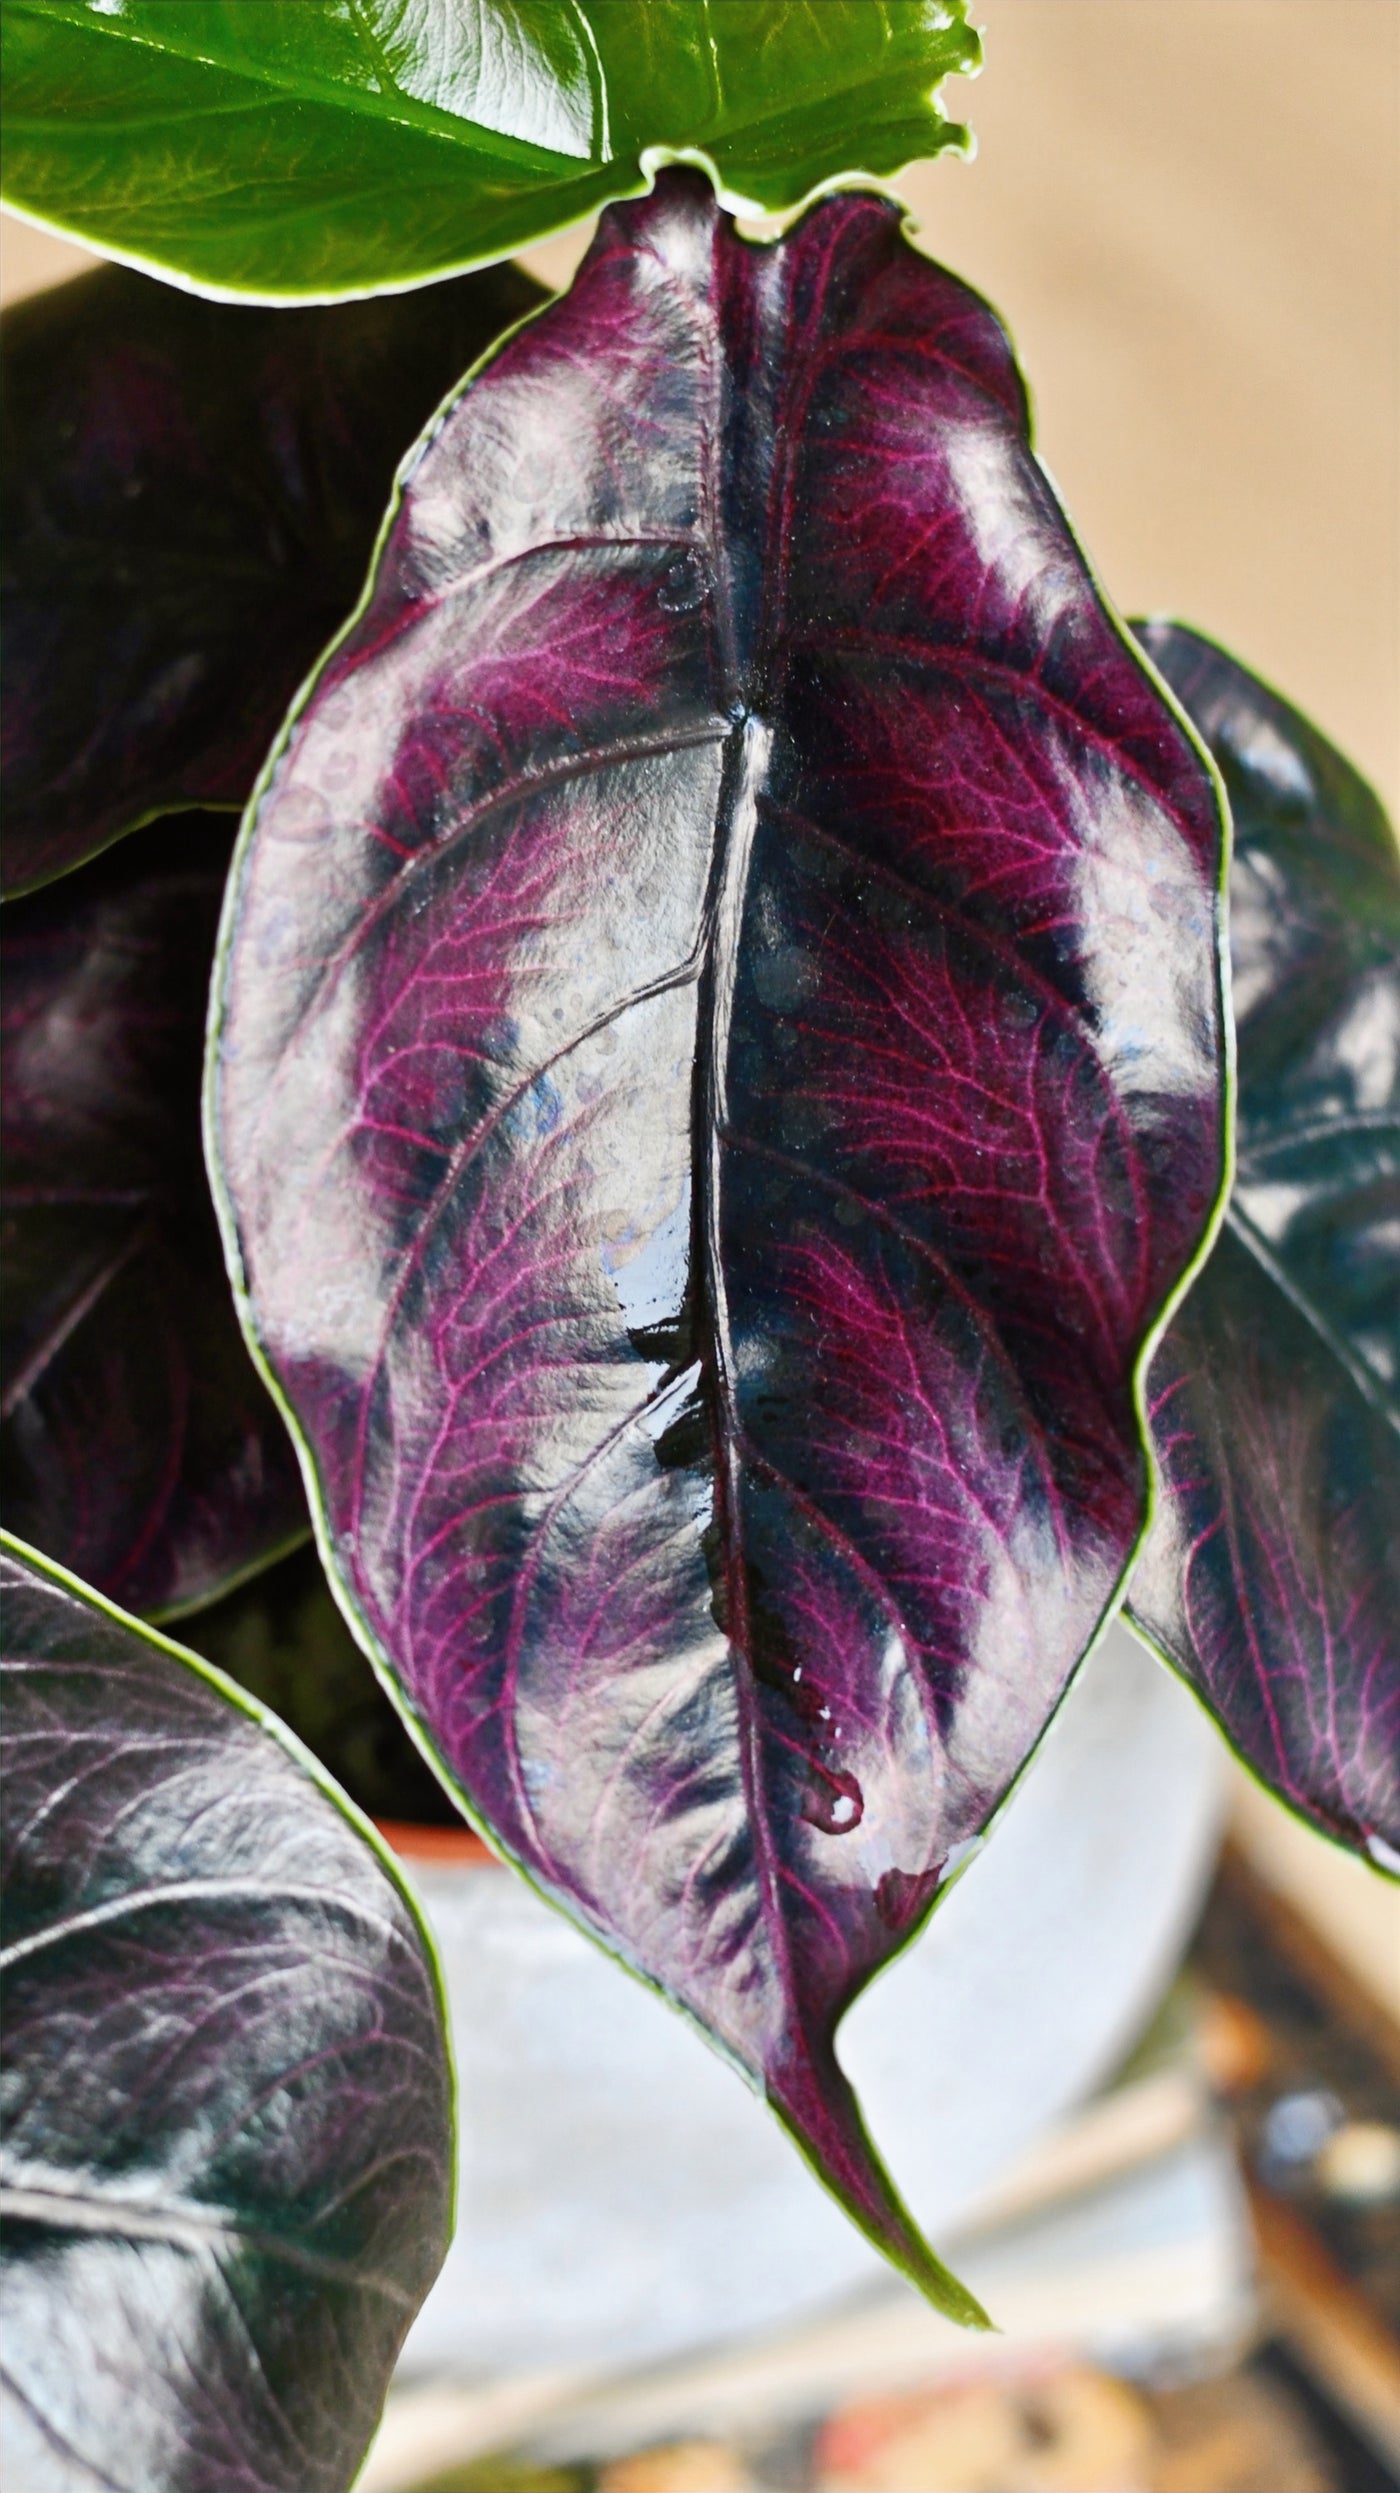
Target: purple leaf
1272	1575
137	1444
228	2153
717	1071
191	493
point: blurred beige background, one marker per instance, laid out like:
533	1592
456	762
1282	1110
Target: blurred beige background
1189	213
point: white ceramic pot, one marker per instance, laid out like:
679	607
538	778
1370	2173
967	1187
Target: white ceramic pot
623	2196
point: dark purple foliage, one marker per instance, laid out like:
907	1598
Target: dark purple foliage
1272	1576
191	493
228	2152
718	1070
137	1444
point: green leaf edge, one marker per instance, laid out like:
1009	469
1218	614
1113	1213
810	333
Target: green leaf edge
309	1765
1165	615
152	813
248	1570
1365	1384
1371	1862
937	2283
950	138
959	141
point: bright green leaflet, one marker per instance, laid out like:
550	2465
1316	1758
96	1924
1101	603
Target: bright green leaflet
295	149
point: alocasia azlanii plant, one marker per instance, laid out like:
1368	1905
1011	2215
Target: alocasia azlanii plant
719	1066
717	1072
226	2178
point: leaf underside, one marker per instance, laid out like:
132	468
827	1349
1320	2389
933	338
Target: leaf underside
226	2175
716	1072
191	493
1272	1575
138	1445
283	148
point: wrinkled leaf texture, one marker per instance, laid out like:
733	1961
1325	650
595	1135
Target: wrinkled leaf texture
283	148
717	1072
226	2172
191	493
1271	1578
138	1445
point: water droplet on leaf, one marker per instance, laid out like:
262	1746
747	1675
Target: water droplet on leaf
834	1802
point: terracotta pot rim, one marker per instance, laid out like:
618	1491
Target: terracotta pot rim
448	1845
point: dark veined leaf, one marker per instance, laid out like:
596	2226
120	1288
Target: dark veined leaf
717	1072
138	1446
298	147
191	495
1272	1575
226	2173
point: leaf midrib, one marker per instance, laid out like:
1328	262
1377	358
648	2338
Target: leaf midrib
174	1893
182	2225
473	137
70	1319
1362	1374
1291	1133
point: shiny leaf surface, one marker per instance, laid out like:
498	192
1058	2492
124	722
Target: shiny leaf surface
191	493
297	147
138	1446
1272	1576
716	1075
227	2158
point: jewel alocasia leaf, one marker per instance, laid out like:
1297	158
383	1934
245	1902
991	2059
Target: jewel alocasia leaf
226	2171
1272	1575
137	1444
191	494
717	1072
299	147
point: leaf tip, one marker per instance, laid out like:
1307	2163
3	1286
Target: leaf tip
818	2107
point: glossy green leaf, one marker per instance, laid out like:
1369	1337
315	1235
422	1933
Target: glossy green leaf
1271	1578
281	148
228	2155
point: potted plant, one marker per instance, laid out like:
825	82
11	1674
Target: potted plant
719	1078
